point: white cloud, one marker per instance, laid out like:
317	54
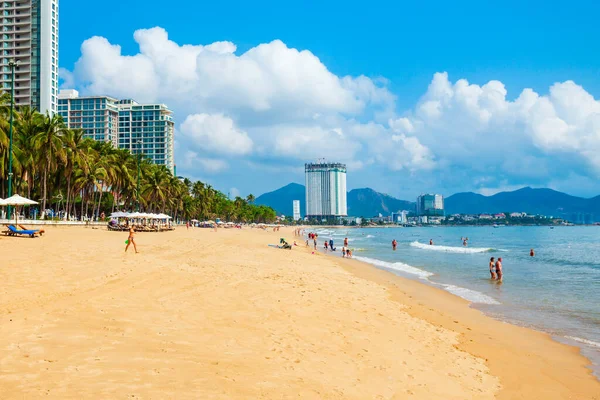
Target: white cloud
215	134
276	105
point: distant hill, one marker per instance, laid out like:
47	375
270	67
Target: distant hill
532	201
368	203
361	202
281	199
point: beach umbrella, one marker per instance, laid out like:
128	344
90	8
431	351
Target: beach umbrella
16	200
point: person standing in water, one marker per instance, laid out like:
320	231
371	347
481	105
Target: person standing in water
431	242
130	239
499	269
532	253
465	243
326	245
492	268
394	244
331	244
346	242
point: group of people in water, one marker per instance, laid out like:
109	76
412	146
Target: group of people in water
328	245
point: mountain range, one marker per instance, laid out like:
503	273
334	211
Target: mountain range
368	203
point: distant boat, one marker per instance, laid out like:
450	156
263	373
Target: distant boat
551	227
496	226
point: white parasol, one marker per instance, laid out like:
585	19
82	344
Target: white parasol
16	200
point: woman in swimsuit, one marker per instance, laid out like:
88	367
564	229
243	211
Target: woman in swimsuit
130	239
492	268
499	269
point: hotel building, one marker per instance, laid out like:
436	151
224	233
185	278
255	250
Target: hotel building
296	209
97	116
325	190
146	129
430	205
29	30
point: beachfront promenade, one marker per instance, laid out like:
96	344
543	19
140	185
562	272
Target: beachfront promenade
200	314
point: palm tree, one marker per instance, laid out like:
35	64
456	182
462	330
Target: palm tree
48	143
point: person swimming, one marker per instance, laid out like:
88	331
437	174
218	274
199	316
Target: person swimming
394	244
492	268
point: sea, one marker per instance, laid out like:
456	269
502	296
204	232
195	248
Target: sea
556	291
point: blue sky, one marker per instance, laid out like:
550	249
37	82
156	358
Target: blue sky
399	48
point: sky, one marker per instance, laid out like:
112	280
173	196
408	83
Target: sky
414	97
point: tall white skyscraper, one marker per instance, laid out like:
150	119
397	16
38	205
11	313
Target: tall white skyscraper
325	190
29	31
296	209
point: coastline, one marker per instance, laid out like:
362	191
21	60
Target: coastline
189	317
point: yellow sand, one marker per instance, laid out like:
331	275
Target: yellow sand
205	315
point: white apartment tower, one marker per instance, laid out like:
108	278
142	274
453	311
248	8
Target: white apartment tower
325	190
29	30
296	209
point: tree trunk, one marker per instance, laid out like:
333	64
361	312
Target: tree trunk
68	198
43	210
81	215
99	202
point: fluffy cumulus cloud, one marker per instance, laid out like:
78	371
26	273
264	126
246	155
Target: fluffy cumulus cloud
531	139
273	107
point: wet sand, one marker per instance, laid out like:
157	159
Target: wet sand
220	315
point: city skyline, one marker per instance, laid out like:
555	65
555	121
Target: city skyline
489	113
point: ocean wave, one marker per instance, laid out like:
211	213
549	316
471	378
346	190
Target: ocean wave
585	341
398	266
471	295
451	249
369	236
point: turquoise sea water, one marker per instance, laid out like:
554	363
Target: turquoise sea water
557	291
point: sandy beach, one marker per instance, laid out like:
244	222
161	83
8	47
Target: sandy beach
220	315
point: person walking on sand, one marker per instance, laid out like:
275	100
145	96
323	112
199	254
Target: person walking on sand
331	245
326	245
499	269
131	240
394	244
315	241
492	268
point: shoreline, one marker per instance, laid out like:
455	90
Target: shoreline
445	309
190	318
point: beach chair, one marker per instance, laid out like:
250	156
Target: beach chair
12	231
41	231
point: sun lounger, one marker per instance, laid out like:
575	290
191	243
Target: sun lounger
41	231
12	231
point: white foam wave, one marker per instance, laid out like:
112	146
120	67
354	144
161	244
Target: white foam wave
451	249
471	295
409	269
585	341
369	236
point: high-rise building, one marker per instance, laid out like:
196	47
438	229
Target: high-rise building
325	190
296	209
147	129
430	205
140	128
97	116
30	40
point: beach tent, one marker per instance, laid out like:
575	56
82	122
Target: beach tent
119	214
164	216
16	200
